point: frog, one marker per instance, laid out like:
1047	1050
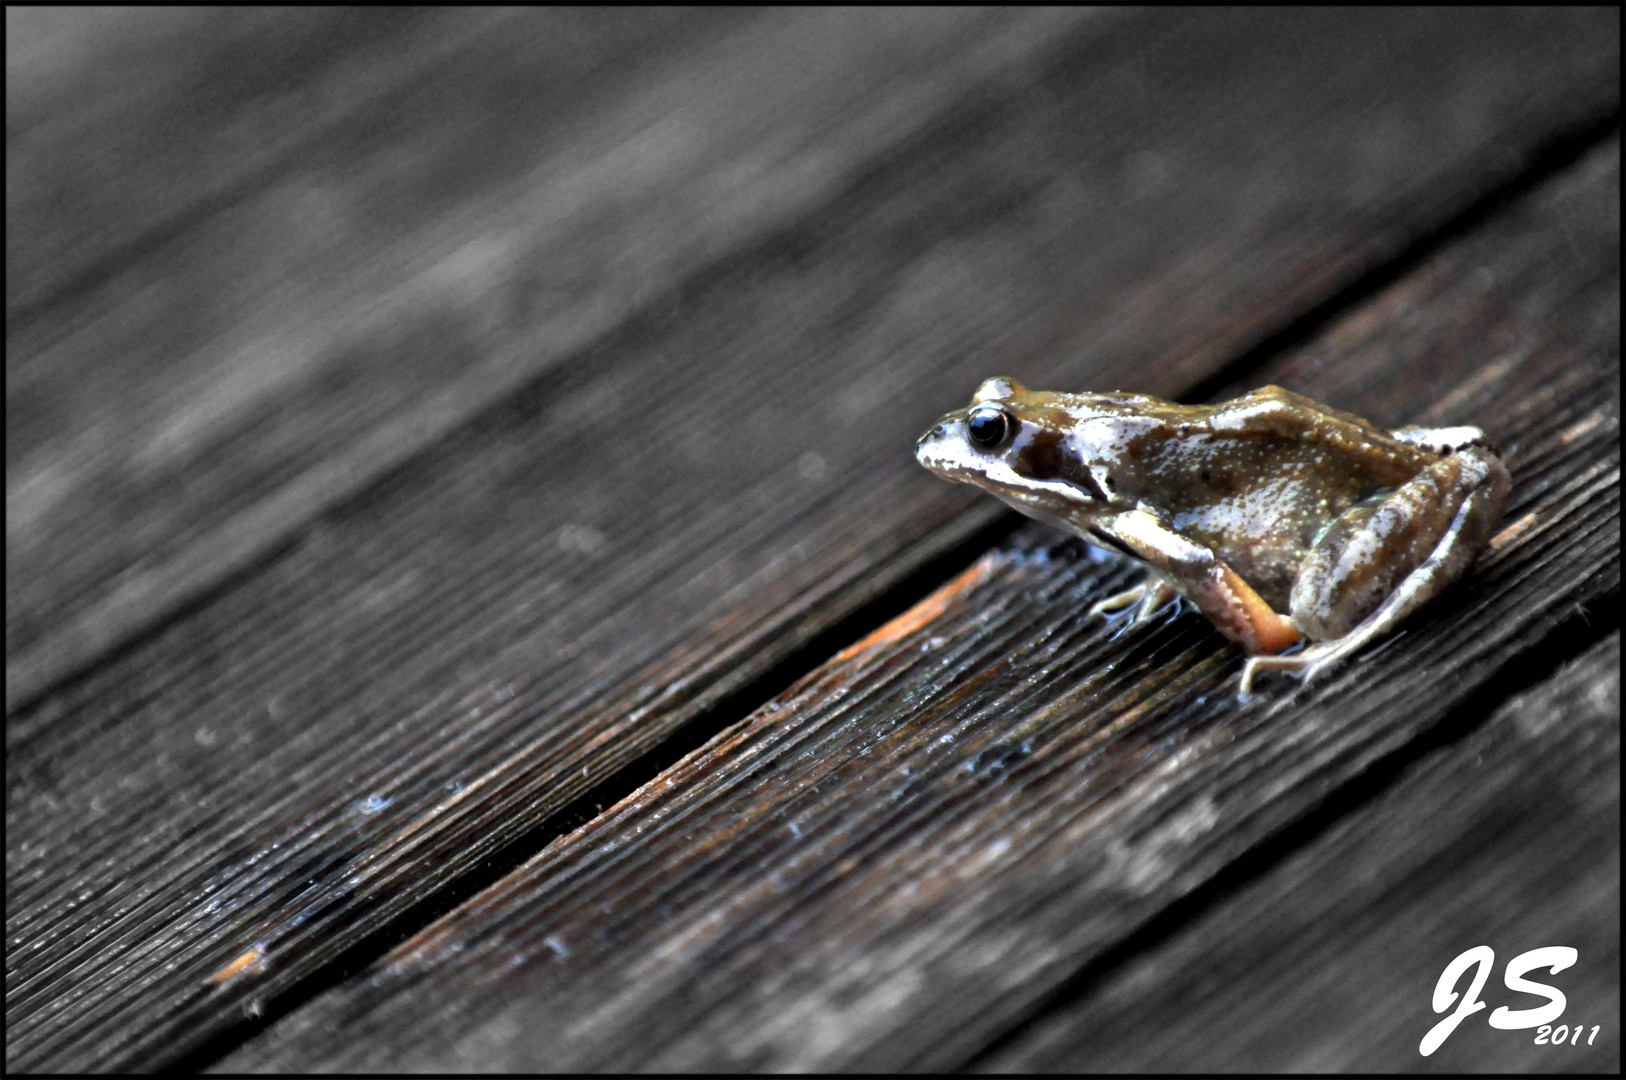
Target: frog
1301	532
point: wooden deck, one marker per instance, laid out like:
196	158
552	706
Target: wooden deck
471	602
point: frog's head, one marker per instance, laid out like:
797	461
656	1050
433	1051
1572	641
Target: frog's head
1017	444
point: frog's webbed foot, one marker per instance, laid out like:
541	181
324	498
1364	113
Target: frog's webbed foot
1308	663
1151	594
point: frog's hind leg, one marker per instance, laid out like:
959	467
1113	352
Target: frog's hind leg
1480	481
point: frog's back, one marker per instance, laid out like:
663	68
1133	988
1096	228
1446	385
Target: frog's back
1258	478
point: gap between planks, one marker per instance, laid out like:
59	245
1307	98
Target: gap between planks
1582	630
143	604
926	590
438	949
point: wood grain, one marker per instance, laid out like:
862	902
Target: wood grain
1328	963
421	258
895	861
123	126
465	641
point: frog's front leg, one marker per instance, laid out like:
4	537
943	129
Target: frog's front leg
1230	603
1380	562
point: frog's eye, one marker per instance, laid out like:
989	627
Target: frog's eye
989	426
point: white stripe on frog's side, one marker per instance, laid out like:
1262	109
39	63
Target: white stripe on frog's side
1002	474
1441	440
955	458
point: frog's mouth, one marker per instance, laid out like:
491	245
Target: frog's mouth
947	454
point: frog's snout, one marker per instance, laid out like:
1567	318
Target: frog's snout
929	447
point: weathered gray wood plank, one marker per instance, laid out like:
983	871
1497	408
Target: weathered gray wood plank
1508	838
418	261
122	125
435	668
893	863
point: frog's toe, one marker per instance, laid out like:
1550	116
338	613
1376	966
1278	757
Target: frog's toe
1267	663
1307	664
1118	601
1156	595
1152	596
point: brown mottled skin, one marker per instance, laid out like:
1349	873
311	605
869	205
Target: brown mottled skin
1280	518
